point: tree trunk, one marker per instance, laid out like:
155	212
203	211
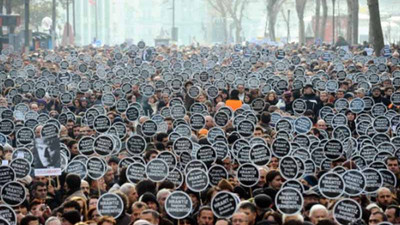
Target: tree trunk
375	27
225	23
324	19
333	22
355	22
349	31
238	30
300	6
317	19
271	19
1	29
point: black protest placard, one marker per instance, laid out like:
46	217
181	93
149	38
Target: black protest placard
280	147
103	145
260	154
288	167
110	204
289	201
21	167
96	168
245	128
46	154
49	130
207	155
197	180
224	204
136	172
346	211
85	145
331	185
374	180
157	170
23	153
355	182
78	168
248	175
136	144
178	205
216	173
13	193
101	124
176	177
333	149
197	121
7	213
389	178
149	128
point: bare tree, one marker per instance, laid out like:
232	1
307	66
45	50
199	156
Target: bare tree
317	19
235	9
286	19
324	19
352	21
273	7
219	7
300	6
375	26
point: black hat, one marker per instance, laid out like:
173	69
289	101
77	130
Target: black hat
308	86
262	201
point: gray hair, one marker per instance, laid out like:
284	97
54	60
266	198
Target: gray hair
51	219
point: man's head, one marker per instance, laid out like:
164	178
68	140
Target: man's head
377	218
137	209
384	196
318	212
72	182
85	187
250	210
150	215
70	206
321	124
130	191
162	195
240	218
263	177
393	164
29	220
39	190
393	214
205	216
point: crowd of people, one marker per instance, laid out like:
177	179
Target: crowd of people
267	85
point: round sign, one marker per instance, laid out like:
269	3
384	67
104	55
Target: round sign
346	211
216	173
149	128
136	144
96	168
178	205
354	182
224	204
157	170
103	145
288	167
101	124
21	167
331	185
333	149
85	145
110	204
7	213
281	147
197	180
289	201
78	168
260	154
302	125
136	172
245	128
374	180
13	193
248	175
7	174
